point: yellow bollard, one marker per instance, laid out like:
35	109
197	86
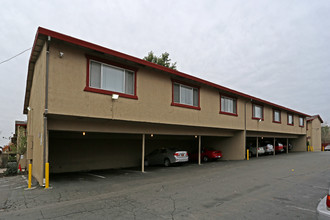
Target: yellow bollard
247	154
322	148
47	176
30	176
308	148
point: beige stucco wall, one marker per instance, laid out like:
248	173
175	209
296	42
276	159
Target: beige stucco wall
154	90
314	134
35	126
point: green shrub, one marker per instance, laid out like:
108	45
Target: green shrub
11	169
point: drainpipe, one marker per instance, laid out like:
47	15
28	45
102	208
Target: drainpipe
46	110
244	127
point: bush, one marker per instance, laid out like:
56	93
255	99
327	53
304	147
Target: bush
11	169
12	158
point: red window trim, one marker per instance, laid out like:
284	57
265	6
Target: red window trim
278	122
292	119
228	113
183	105
108	92
303	122
253	104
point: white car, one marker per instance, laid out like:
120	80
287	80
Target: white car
327	148
323	208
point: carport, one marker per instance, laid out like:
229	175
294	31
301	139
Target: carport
298	141
82	144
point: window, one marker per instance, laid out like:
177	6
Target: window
301	122
185	96
290	119
228	105
108	78
276	116
257	112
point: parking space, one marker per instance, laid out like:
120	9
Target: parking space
287	186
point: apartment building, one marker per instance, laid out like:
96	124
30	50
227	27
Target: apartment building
91	107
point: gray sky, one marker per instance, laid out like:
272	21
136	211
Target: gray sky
275	50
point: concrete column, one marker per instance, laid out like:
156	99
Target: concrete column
143	151
274	147
257	147
199	149
287	145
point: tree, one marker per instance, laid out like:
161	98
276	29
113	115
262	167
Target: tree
325	133
163	60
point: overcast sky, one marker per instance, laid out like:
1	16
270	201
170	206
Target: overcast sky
274	50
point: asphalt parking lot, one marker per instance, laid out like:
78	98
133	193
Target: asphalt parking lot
281	187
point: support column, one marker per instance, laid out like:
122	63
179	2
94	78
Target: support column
257	147
143	151
287	145
199	149
274	147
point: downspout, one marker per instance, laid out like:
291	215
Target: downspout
46	109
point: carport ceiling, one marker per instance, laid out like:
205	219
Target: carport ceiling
270	135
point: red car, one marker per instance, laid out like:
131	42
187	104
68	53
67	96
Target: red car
279	147
207	154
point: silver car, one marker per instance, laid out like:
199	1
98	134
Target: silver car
166	156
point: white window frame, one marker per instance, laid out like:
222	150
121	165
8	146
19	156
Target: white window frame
181	101
279	116
301	122
290	115
254	111
114	67
223	108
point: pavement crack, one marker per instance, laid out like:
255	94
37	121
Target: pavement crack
174	207
42	214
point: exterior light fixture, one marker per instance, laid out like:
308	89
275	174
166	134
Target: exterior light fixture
84	133
152	135
195	136
115	96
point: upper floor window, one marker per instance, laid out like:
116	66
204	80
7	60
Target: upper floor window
301	121
276	116
257	112
290	119
108	78
185	95
228	105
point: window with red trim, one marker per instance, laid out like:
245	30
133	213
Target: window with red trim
290	119
185	95
228	105
301	122
108	78
257	112
276	116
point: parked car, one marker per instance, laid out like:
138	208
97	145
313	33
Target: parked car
207	154
166	156
290	147
323	208
327	148
253	150
269	148
279	147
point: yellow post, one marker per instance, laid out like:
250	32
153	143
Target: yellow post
322	148
308	148
30	176
47	176
247	154
312	148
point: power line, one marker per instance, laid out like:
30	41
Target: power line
16	55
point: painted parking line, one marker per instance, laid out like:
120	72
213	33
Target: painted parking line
295	207
91	174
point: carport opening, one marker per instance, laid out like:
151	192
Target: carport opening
75	151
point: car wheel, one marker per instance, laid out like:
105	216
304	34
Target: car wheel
146	163
167	162
205	159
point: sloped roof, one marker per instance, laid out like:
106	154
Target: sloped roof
314	117
43	33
